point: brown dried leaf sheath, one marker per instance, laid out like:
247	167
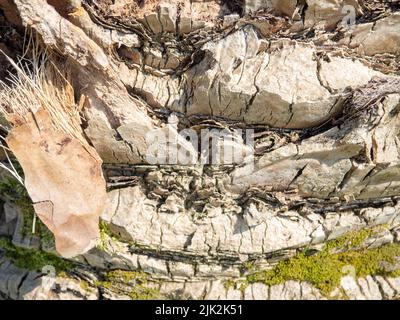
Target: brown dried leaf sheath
64	180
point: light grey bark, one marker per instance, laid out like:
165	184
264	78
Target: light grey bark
322	98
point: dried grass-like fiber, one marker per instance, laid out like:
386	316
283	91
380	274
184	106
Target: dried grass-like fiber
42	85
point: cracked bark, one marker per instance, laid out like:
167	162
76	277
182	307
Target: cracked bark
308	89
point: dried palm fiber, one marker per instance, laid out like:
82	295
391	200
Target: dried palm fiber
40	84
62	171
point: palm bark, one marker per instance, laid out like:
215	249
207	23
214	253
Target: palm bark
321	96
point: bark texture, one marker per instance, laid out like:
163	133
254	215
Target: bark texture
322	97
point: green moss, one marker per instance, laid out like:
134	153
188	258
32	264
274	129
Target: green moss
134	284
33	260
229	284
394	274
45	235
325	269
105	234
247	267
142	293
84	285
11	188
103	227
62	274
352	239
18	194
126	276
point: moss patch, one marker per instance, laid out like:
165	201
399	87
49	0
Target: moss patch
106	234
134	284
351	240
18	194
84	285
13	189
229	284
33	260
325	269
